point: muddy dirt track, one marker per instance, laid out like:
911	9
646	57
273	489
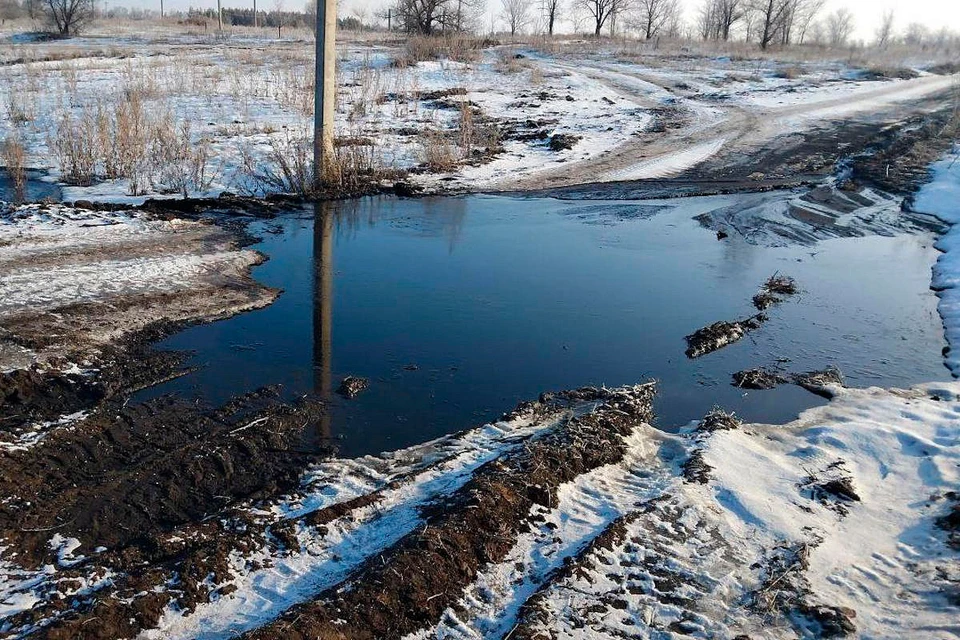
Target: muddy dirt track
696	137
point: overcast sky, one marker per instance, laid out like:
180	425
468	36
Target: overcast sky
933	13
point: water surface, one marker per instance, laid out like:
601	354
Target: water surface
458	308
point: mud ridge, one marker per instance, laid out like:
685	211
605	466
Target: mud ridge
152	488
408	587
720	334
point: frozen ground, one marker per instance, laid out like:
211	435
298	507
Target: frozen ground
220	115
59	264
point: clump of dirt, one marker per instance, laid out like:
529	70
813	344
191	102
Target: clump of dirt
785	592
720	334
440	94
719	420
563	142
695	469
409	586
945	68
758	379
820	382
834	622
774	290
352	386
951	521
833	488
890	73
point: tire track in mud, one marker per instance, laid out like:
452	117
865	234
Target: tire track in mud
322	530
651	147
714	138
410	585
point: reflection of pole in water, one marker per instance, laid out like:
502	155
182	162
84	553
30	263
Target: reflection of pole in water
323	307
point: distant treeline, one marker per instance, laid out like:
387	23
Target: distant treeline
244	17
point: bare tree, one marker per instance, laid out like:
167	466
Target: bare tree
885	30
717	17
772	16
428	17
601	10
68	16
654	15
839	27
360	12
916	34
804	14
11	10
516	13
707	20
550	10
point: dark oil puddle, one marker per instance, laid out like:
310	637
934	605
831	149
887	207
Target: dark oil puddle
458	308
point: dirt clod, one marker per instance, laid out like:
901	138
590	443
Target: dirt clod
720	334
352	386
759	378
563	142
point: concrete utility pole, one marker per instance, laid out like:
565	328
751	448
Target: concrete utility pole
161	9
324	89
220	15
254	14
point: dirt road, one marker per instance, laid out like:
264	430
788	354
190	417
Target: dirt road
692	131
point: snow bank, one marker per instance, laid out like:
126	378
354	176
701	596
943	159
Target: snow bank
707	560
941	197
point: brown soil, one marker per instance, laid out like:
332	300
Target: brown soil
720	334
151	487
950	522
785	590
757	379
774	290
127	470
410	585
531	614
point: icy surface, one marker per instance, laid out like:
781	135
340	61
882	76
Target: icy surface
941	197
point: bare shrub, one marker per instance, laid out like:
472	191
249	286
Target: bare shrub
75	145
14	157
119	140
509	62
536	75
467	134
456	47
180	162
437	153
288	167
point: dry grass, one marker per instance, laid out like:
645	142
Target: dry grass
508	61
14	157
457	47
290	169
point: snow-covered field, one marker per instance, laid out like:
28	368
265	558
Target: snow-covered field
129	118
